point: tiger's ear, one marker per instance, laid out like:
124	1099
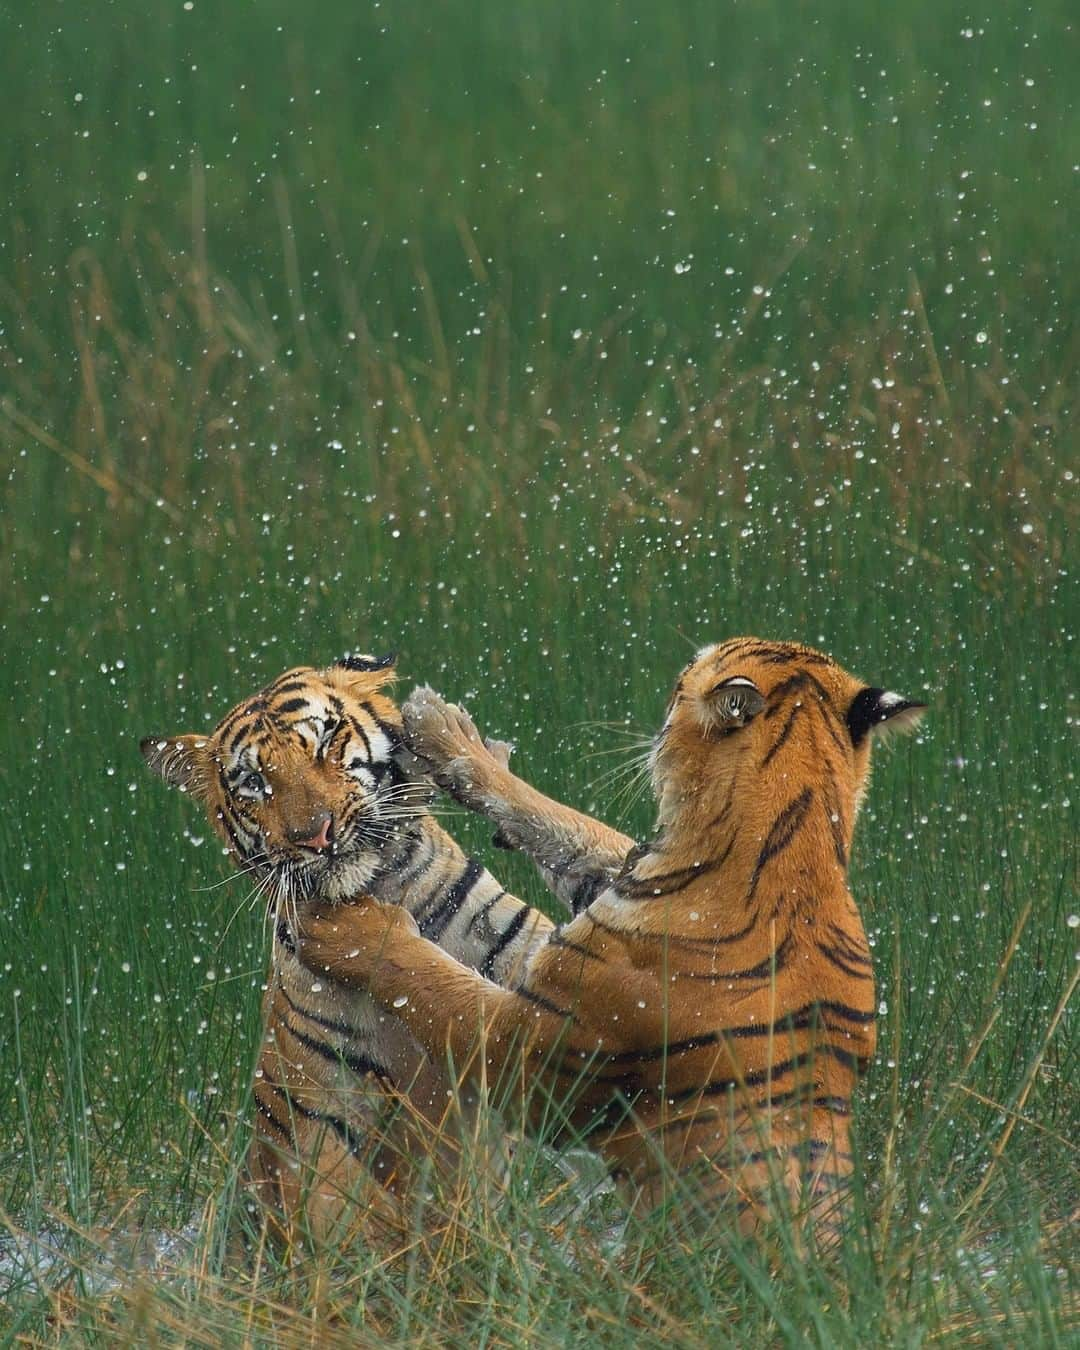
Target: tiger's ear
381	667
879	712
731	704
179	760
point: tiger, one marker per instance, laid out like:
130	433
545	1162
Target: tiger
707	1012
309	785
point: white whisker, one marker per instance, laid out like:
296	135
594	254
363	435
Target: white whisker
252	863
252	897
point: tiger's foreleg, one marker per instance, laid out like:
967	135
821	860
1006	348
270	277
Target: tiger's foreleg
544	1031
576	854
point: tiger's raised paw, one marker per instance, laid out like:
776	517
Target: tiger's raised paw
500	751
445	738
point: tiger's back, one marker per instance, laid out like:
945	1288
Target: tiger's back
747	1052
715	996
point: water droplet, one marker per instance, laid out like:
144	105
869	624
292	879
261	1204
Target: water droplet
401	1000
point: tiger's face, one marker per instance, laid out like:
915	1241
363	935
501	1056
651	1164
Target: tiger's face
301	780
748	719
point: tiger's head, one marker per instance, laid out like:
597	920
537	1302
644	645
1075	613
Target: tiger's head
302	781
751	723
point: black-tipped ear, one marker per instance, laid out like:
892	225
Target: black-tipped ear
357	661
178	760
879	711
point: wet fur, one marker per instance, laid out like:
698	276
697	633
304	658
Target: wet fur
712	1004
346	1101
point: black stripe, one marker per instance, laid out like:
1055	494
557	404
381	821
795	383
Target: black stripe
674	939
769	651
337	1024
800	680
857	1063
779	694
484	910
656	1052
801	1020
267	1114
848	948
851	1014
775	654
784	829
230	828
291	705
545	1003
810	1149
513	928
608	1117
773	963
716	1086
275	690
241	714
402	861
839	960
836	825
663	883
778	744
409	874
556	939
438	917
839	1106
727	647
344	1131
828	717
774	1154
359	1064
358	730
779	1101
666	883
391	732
800	1096
242	733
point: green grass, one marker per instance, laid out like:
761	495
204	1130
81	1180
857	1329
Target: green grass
395	345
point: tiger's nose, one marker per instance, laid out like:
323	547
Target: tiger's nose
321	838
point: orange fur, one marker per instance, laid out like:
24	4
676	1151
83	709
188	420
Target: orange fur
304	782
714	999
